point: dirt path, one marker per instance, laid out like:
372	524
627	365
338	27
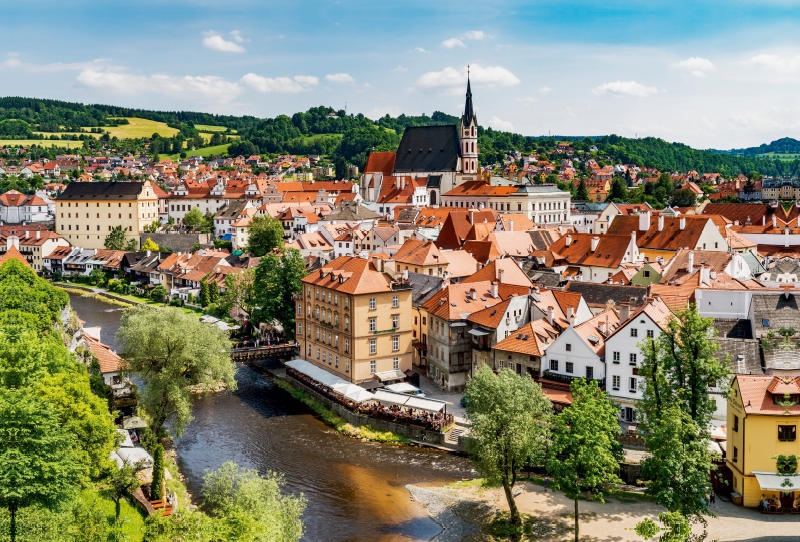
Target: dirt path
616	519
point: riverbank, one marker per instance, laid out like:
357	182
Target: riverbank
122	300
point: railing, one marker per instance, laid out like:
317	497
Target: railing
567	379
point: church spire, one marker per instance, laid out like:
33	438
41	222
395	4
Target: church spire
469	111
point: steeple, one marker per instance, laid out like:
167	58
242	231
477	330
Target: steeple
469	111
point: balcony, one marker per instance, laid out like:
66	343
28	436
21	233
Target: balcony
379	331
567	379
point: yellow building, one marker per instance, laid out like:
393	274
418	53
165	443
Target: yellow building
86	212
355	321
763	416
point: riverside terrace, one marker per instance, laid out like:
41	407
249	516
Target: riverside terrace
421	412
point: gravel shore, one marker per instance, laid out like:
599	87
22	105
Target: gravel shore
460	519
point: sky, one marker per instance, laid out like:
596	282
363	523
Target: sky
711	74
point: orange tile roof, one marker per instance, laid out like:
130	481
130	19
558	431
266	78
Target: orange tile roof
350	275
482	251
610	251
454	302
490	317
591	328
521	222
531	339
380	162
671	237
13	254
108	360
480	188
757	399
510	270
459	263
419	253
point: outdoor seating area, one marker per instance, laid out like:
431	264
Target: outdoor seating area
775	506
382	404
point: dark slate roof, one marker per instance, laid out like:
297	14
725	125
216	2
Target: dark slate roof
423	287
733	328
86	191
545	278
744	355
469	110
600	294
781	311
351	211
407	215
434	181
232	210
542	239
428	148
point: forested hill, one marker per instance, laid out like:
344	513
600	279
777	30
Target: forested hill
324	130
784	145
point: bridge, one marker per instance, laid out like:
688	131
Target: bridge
285	350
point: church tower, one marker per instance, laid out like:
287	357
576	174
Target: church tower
469	136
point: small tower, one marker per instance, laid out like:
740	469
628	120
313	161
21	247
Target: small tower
469	136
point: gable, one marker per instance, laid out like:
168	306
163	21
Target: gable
428	148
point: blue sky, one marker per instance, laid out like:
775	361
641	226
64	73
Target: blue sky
709	74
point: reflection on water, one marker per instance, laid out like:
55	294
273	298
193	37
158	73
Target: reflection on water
355	490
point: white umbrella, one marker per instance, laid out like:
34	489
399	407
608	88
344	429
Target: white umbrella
134	422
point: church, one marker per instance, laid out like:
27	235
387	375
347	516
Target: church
437	158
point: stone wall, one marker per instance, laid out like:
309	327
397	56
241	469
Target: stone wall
411	432
176	242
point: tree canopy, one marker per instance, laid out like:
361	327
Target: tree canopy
264	235
277	278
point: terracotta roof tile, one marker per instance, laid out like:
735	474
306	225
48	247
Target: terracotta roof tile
757	399
350	275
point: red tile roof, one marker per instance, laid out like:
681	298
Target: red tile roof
757	398
380	162
350	275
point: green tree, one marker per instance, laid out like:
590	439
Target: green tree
277	279
676	409
510	422
193	218
618	192
115	240
149	245
131	245
585	452
239	292
157	485
120	483
97	276
582	194
203	296
158	294
170	350
213	292
675	528
249	507
264	235
340	166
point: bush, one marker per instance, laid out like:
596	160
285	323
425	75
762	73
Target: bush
158	294
176	302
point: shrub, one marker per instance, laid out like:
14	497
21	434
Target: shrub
158	294
176	302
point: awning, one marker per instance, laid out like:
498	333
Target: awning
479	332
134	422
126	439
772	481
386	376
371	384
133	456
402	387
458	324
316	373
403	399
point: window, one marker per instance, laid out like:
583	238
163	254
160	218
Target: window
346	323
316	293
634	332
646	274
650	334
317	353
632	359
347	366
632	384
347	346
335	299
590	373
395	321
346	302
336	319
395	344
736	423
336	340
616	357
787	433
373	346
395	301
299	310
569	347
372	366
317	333
424	318
373	326
308	292
337	362
299	329
554	365
396	364
735	454
615	381
372	304
570	367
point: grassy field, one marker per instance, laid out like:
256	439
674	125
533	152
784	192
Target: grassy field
74	135
40	142
131	518
312	137
205	152
211	128
781	156
138	128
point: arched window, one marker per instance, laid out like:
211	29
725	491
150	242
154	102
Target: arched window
308	312
336	319
316	312
473	131
473	146
433	197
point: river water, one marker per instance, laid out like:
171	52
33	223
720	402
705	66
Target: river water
355	490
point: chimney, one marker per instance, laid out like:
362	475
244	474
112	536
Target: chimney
774	221
510	225
27	234
682	223
494	290
38	234
602	328
633	238
644	221
405	275
402	183
550	311
500	274
472	216
568	240
595	242
690	265
763	220
571	316
704	274
624	312
472	294
713	274
397	183
660	223
147	254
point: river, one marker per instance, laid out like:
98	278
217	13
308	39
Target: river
355	490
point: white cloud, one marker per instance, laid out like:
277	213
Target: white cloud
419	50
776	63
209	87
474	35
528	100
625	88
452	43
218	43
696	65
399	69
500	124
13	61
452	80
299	83
340	78
545	90
237	37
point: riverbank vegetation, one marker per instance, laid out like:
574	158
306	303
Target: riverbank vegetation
332	419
